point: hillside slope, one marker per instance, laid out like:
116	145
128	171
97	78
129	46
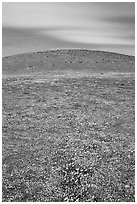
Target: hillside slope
67	60
68	127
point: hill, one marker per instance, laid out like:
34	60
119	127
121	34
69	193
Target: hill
67	60
68	127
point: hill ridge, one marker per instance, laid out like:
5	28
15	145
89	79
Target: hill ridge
70	49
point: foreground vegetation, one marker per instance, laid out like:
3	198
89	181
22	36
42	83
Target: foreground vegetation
69	138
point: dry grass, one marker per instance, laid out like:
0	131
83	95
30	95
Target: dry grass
69	136
68	139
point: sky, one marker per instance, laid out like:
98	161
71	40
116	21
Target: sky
28	27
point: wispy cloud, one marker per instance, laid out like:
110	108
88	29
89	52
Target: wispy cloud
70	24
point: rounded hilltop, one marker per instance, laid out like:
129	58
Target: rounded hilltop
77	59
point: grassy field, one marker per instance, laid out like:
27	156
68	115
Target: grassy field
69	135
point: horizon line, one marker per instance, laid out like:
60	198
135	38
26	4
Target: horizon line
61	49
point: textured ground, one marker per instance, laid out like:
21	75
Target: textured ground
69	127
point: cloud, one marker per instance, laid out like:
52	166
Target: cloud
91	36
124	20
42	14
50	25
16	41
